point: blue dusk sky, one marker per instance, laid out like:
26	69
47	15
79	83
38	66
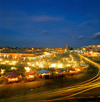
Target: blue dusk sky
49	23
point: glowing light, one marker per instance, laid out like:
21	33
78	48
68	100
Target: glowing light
66	58
68	65
30	76
91	52
27	69
12	79
33	65
15	57
7	56
37	63
41	65
34	58
2	71
60	65
10	63
3	63
6	61
14	61
53	65
77	69
0	59
24	58
81	61
72	71
13	68
4	56
28	63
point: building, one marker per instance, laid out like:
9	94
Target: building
91	50
66	48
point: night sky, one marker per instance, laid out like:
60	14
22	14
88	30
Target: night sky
49	23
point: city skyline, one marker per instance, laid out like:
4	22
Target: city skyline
52	23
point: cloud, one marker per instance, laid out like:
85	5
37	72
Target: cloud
10	20
96	36
45	32
79	38
45	18
83	23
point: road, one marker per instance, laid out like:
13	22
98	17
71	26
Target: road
55	94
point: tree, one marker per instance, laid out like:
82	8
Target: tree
71	48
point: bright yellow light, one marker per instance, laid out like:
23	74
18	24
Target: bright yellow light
91	52
3	63
30	76
41	65
68	65
28	63
10	63
14	61
81	61
43	62
12	79
60	65
13	68
6	61
33	65
72	71
2	71
27	69
0	59
66	58
77	69
15	57
37	63
53	65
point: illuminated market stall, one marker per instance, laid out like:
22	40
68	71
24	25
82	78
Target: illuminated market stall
75	70
60	72
13	77
45	74
30	76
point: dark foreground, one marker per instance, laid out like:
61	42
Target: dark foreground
43	88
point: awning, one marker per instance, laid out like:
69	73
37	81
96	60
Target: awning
12	75
44	71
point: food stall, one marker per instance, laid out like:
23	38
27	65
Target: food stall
13	77
45	74
30	76
60	72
